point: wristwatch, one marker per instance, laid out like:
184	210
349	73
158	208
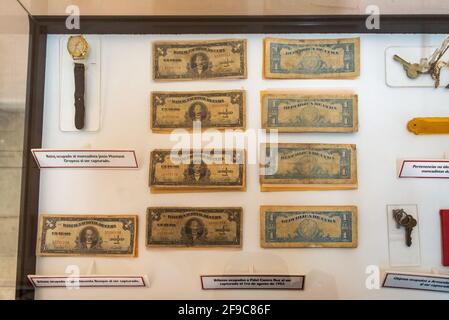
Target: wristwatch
78	49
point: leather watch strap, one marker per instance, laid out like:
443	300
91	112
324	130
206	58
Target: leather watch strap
79	95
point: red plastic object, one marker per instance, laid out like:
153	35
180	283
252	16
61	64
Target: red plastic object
444	214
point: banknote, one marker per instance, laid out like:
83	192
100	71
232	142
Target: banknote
308	227
301	111
96	235
194	227
212	109
197	170
299	166
311	58
199	60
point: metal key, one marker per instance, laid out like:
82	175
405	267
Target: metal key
413	70
398	214
409	223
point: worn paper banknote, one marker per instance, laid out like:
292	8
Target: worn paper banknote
211	109
194	227
300	111
196	170
299	166
97	235
198	60
311	58
308	227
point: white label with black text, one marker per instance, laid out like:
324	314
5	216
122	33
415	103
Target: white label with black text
114	159
86	281
416	281
279	282
425	169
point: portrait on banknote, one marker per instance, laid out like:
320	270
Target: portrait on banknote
87	235
194	227
199	60
197	170
216	109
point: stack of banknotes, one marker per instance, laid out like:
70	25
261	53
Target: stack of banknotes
220	110
308	227
311	58
116	235
309	111
91	235
197	170
302	166
199	60
292	166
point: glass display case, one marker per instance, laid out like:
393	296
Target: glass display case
224	150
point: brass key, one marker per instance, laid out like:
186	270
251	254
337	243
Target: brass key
398	214
413	70
407	221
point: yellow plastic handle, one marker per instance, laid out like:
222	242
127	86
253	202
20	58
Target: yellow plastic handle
429	126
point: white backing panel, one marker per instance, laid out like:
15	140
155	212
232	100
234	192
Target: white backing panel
175	273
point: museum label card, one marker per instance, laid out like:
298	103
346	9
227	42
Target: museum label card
87	281
437	169
416	281
99	159
265	282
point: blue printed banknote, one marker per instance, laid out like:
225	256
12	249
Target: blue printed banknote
308	111
311	58
305	166
308	227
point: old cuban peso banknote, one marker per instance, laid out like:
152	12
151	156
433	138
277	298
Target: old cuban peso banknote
90	235
308	111
311	58
194	227
199	60
210	109
305	166
308	226
197	170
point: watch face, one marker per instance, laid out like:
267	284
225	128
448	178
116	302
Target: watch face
77	47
